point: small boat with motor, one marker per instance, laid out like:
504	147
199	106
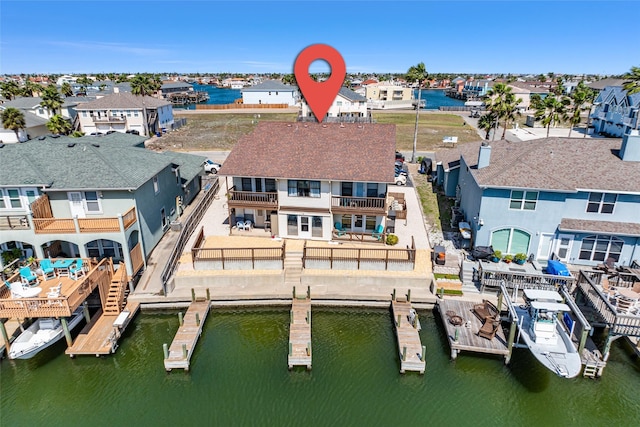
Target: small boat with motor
545	335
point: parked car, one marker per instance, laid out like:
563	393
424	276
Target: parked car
401	179
399	157
211	167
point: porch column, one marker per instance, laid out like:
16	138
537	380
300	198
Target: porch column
5	337
126	252
76	224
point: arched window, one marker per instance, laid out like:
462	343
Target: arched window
600	248
510	241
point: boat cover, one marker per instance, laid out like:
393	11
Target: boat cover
557	268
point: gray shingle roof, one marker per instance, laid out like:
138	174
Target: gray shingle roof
271	85
113	161
351	95
337	152
23	103
557	164
176	85
605	227
609	81
123	100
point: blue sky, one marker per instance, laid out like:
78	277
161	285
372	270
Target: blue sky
265	36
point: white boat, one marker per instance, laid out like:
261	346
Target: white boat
545	335
43	333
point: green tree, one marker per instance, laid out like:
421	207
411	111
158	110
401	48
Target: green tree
58	124
581	99
66	90
502	103
84	81
632	83
552	110
31	89
289	79
10	90
486	122
417	74
145	84
51	100
13	119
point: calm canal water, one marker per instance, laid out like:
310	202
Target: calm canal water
239	376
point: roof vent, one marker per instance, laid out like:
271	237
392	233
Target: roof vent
324	126
55	136
71	144
288	125
96	145
42	138
1	145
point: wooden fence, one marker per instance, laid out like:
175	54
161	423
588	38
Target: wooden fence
234	257
238	106
137	261
188	228
363	258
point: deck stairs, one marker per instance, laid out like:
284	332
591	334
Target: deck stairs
293	264
116	296
469	285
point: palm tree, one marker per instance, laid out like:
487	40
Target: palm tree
417	73
51	100
66	90
581	98
32	89
58	124
289	79
84	81
552	110
13	119
486	122
502	103
145	84
10	90
632	85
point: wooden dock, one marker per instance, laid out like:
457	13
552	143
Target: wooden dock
407	326
465	336
178	355
100	336
300	333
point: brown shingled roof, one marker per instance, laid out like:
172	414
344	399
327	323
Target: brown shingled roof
338	152
123	100
562	164
608	227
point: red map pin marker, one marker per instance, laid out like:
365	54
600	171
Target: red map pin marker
319	95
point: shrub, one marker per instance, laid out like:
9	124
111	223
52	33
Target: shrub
520	257
392	239
508	258
497	254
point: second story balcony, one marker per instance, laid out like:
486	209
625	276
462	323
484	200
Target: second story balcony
252	199
364	205
109	119
45	223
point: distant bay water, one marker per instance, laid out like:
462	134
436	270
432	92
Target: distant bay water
434	98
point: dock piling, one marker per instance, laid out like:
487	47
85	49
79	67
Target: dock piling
67	334
180	318
193	295
393	296
197	319
184	351
208	295
409	295
85	311
424	352
165	351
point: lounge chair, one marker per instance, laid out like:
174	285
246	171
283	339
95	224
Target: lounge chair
485	311
21	290
47	269
76	270
28	277
339	230
248	225
379	231
489	328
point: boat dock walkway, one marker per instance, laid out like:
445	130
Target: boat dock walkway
300	332
178	355
100	336
462	330
407	326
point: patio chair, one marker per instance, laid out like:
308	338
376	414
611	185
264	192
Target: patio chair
76	270
28	277
47	269
377	234
248	225
339	230
489	328
240	225
54	291
22	290
485	311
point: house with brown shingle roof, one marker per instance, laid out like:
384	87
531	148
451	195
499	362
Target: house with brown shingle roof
574	199
297	180
122	112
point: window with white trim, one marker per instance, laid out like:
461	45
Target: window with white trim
523	200
2	203
14	198
92	202
156	185
510	241
300	188
601	202
601	248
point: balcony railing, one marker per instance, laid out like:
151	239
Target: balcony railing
84	225
374	205
252	199
14	222
109	119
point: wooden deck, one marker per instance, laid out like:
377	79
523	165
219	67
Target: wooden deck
300	333
100	336
467	336
412	353
184	343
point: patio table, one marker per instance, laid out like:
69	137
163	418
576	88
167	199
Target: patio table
62	266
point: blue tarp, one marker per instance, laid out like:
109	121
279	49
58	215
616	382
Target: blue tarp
557	268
